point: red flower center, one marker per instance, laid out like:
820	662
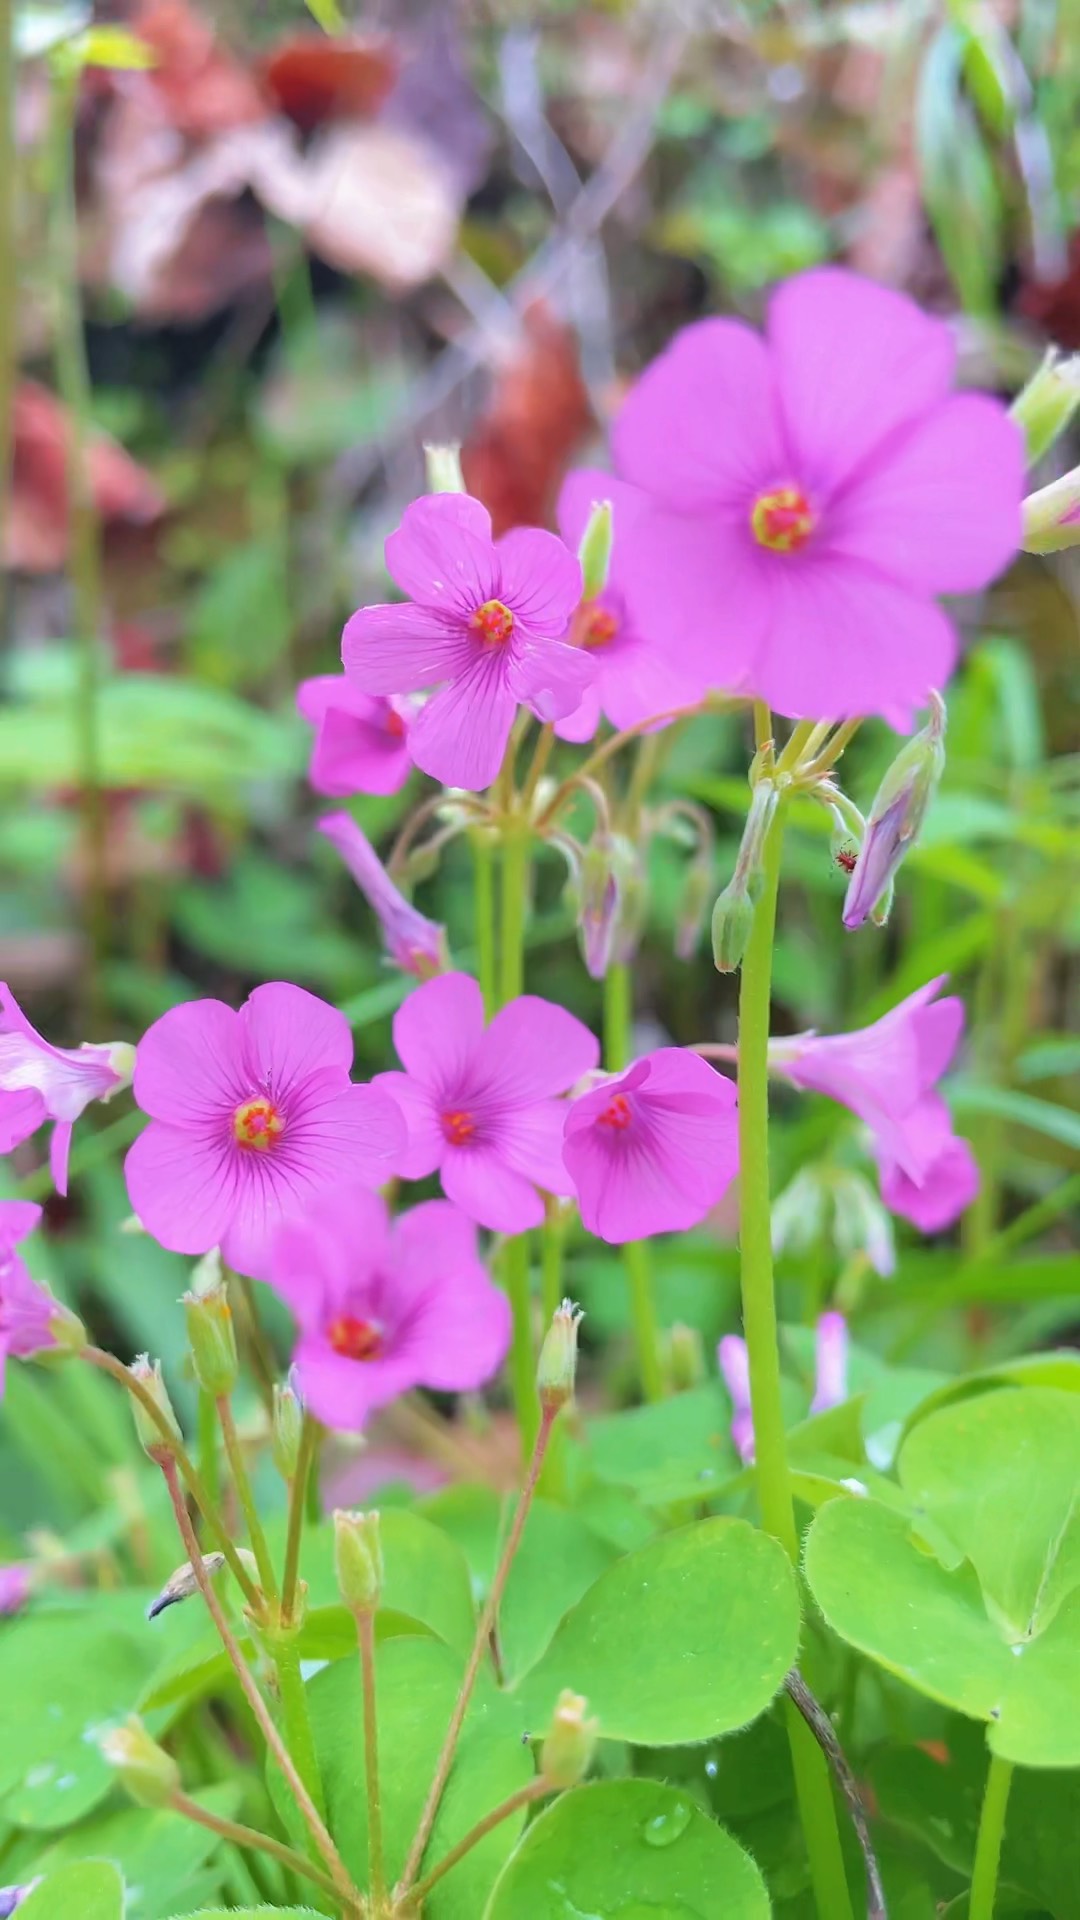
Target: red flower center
353	1338
782	519
493	622
458	1126
617	1114
258	1124
598	626
395	725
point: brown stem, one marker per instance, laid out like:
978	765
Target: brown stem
242	1836
247	1500
604	753
825	1734
306	1806
536	1790
483	1635
365	1634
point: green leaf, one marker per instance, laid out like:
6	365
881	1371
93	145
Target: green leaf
158	1854
248	1913
959	184
557	1561
689	1637
676	1449
631	1850
1023	1109
93	1890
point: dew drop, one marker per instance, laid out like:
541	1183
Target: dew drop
665	1828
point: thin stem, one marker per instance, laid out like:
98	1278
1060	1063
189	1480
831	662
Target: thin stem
984	1877
260	1352
484	1630
524	1797
551	1261
514	1270
108	1363
515	882
242	1836
800	733
484	884
365	1634
299	1737
307	1809
267	1577
832	750
309	1436
816	1809
618	1010
824	1733
614	745
545	741
208	1446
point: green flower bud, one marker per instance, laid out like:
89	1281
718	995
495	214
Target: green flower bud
685	1358
288	1425
67	1330
211	1333
693	908
557	1369
150	1775
358	1559
594	551
732	920
158	1444
570	1742
1051	516
899	809
444	473
1044	408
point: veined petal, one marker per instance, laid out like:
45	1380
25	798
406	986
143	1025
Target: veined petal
461	734
425	1142
478	1181
289	1034
540	580
190	1064
443	556
182	1186
437	1030
532	1049
700	427
548	677
399	649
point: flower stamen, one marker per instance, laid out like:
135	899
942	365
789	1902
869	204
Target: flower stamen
617	1114
354	1338
258	1125
494	622
599	625
782	519
459	1126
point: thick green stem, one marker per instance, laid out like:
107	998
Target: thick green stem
515	886
984	1876
618	1014
259	1548
618	1018
297	1721
365	1634
813	1787
309	1437
484	884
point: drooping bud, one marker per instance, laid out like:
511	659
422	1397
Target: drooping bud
569	1743
732	920
594	551
210	1329
862	1224
287	1426
692	911
596	892
443	464
633	899
358	1559
798	1213
150	1775
1051	516
413	943
1043	409
182	1584
899	809
557	1369
159	1441
734	1361
685	1358
830	1362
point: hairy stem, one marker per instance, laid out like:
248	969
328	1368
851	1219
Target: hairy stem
524	1797
242	1484
984	1877
242	1836
365	1634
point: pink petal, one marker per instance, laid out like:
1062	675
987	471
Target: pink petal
290	1034
433	1244
854	362
336	1135
342	1392
442	555
59	1154
540	580
425	1142
438	1028
583	489
21	1114
846	643
355	749
639	680
182	1186
532	1049
700	428
399	649
191	1064
698	587
316	1263
530	1141
937	1032
489	1191
549	678
939	507
580	725
947	1189
460	736
459	1335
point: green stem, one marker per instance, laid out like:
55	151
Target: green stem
294	1711
551	1262
365	1634
73	383
618	1017
309	1437
514	1268
260	1352
813	1787
248	1837
984	1876
259	1548
208	1446
484	883
618	1013
515	883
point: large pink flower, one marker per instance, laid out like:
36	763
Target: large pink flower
383	1307
887	1073
253	1121
41	1082
27	1311
812	493
479	1103
653	1149
635	677
361	740
486	618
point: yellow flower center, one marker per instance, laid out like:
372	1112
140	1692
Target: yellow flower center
493	622
782	520
258	1124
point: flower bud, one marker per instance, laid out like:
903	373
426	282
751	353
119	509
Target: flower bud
685	1358
150	1775
159	1444
67	1329
287	1426
596	894
693	908
1044	408
1051	516
830	1362
633	899
898	812
12	1898
210	1331
569	1744
443	464
734	1362
358	1559
557	1369
862	1224
412	942
732	920
594	551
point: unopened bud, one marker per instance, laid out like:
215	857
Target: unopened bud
287	1426
1044	408
594	551
1051	516
557	1369
158	1439
444	473
685	1357
150	1775
692	911
899	809
67	1330
358	1559
11	1898
633	901
569	1743
596	894
862	1224
211	1333
732	921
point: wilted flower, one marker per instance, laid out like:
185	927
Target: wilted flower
41	1082
414	944
361	739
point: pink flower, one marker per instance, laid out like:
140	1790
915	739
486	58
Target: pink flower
886	1073
734	1364
383	1307
653	1149
26	1309
811	493
253	1121
635	677
479	1103
361	741
16	1582
42	1082
414	944
830	1377
13	1897
487	619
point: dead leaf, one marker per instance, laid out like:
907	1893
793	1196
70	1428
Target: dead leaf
377	200
37	529
517	454
313	78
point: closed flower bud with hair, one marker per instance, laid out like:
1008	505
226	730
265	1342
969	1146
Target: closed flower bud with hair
158	1438
149	1774
896	817
556	1372
569	1743
358	1559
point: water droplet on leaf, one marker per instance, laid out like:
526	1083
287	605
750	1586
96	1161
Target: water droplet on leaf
665	1828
